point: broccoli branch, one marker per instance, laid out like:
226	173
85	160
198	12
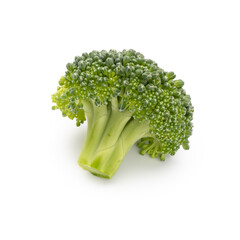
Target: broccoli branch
109	138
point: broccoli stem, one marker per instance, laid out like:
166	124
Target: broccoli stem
109	160
109	139
97	118
115	125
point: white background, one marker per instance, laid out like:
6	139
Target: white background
45	195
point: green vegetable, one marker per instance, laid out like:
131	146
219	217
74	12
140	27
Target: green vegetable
126	99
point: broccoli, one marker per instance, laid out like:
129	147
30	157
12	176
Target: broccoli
126	98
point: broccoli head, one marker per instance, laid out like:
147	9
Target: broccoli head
126	98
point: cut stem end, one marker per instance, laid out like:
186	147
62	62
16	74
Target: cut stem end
94	171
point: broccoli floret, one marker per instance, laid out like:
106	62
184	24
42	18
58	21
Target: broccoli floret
126	99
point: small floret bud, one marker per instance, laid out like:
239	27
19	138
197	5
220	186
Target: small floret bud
85	55
125	83
162	157
170	75
71	90
61	81
150	87
76	58
176	93
82	65
104	54
109	62
185	145
146	76
140	60
164	79
120	70
166	85
63	96
74	76
141	88
69	67
126	60
128	70
178	83
139	72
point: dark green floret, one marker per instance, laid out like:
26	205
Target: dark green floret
126	99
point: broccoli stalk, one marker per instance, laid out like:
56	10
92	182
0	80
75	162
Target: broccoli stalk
97	117
110	135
